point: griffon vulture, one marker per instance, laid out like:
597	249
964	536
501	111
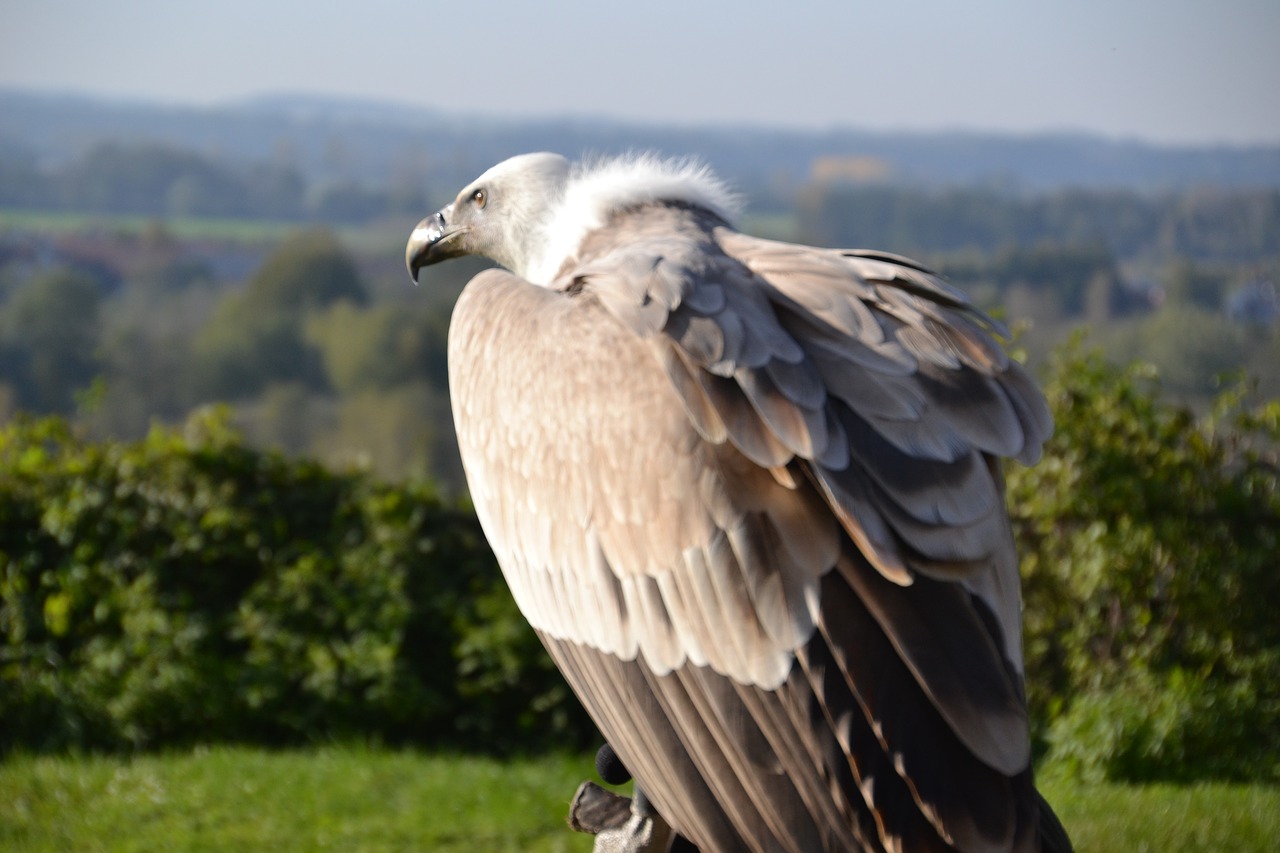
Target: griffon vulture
748	494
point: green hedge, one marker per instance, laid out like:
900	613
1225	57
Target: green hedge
1150	546
188	588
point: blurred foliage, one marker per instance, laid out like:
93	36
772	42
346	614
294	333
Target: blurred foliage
379	348
1235	225
1149	541
256	337
187	588
159	179
1068	271
406	430
1191	347
49	334
1188	283
309	269
156	178
308	364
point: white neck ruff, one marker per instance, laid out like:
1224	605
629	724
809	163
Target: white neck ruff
595	190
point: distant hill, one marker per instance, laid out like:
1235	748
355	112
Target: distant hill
381	143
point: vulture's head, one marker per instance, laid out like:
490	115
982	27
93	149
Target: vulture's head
530	213
501	215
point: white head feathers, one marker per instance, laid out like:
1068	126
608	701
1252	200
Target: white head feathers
594	190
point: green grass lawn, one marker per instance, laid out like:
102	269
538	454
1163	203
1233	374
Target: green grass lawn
1148	818
338	798
356	799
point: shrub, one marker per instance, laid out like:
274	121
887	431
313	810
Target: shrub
186	588
1149	541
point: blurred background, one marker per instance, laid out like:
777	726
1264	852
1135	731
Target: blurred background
231	509
203	204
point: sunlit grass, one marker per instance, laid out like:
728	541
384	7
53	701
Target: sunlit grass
358	799
348	799
1188	818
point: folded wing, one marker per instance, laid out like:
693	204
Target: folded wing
747	494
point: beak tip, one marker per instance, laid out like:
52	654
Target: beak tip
431	242
414	257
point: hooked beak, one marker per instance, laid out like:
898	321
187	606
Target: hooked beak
433	240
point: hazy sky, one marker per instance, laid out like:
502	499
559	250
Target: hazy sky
1173	71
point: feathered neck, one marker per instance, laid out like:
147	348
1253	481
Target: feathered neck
595	190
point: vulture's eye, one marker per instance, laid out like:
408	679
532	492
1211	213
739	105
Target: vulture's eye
479	198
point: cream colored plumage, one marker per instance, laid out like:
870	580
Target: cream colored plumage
747	494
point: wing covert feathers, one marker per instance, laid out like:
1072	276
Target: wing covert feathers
748	495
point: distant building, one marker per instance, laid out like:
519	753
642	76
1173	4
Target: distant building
850	169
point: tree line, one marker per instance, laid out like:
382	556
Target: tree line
330	351
154	179
1207	224
314	355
